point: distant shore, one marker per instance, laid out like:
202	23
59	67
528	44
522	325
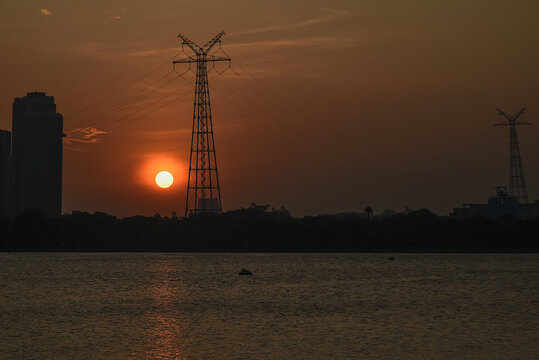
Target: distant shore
224	251
257	230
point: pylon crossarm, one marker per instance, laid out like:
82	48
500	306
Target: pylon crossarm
186	60
185	41
509	117
214	58
507	123
193	59
505	115
212	42
520	112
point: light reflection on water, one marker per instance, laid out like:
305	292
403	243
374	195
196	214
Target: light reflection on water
164	324
314	306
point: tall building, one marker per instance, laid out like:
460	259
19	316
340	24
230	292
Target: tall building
5	172
37	154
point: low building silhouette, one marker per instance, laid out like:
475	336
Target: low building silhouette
37	155
500	204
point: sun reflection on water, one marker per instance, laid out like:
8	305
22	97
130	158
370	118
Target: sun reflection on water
165	321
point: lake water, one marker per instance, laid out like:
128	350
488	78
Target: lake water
295	306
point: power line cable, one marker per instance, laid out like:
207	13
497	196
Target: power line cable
164	102
126	105
121	89
121	104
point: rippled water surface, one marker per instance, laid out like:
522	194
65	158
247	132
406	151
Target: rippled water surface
295	306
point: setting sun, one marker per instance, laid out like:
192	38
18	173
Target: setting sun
164	179
162	169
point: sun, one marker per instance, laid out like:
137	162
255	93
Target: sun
164	179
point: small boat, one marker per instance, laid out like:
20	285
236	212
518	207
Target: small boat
245	272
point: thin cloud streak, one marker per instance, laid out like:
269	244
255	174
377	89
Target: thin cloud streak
103	51
318	41
325	42
112	16
331	15
152	52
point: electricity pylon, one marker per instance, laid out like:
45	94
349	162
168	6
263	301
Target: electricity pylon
517	184
203	192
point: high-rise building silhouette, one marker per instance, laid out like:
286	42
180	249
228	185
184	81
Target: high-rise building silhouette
37	154
5	172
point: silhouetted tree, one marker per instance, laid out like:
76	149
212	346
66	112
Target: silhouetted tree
257	228
368	211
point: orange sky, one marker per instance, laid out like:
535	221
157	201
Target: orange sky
395	101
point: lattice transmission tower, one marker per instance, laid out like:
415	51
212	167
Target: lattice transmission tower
203	191
517	184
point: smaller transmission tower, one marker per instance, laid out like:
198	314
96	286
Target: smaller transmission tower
517	184
203	192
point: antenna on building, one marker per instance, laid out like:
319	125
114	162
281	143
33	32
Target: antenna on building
203	192
517	184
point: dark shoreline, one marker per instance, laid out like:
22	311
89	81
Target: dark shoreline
255	230
301	251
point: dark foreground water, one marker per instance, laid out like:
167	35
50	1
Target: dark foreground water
295	306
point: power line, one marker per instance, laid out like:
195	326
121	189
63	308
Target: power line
124	106
308	139
120	90
144	107
175	98
268	111
123	103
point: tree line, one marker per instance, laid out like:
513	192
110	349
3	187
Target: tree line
258	229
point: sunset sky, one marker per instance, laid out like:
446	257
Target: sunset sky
330	106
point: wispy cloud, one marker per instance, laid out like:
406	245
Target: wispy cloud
315	41
95	49
163	51
106	51
113	16
320	42
330	15
87	135
46	12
